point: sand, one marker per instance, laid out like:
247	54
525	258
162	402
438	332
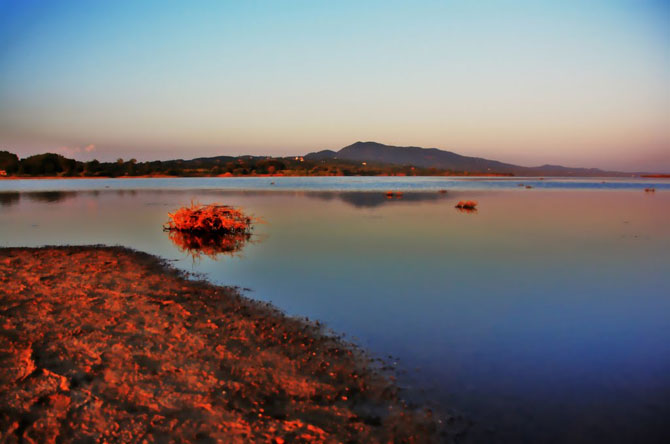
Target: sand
109	344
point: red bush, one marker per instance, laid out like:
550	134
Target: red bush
467	205
212	218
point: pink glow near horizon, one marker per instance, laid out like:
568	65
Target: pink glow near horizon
520	82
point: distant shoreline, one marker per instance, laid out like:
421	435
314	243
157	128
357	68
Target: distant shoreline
165	176
360	159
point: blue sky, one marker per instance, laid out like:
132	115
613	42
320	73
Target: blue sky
575	83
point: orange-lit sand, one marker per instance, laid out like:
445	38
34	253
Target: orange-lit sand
110	345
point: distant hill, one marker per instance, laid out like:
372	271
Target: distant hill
435	158
359	159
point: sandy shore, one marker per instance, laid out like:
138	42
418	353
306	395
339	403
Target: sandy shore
108	344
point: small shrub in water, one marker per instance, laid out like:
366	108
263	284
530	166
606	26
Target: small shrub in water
209	229
467	204
213	218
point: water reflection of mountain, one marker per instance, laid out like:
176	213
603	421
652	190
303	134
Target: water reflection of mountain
359	199
8	199
50	196
13	197
369	199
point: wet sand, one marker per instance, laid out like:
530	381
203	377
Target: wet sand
109	344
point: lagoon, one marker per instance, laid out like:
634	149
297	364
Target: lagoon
542	317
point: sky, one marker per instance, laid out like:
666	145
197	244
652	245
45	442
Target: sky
577	83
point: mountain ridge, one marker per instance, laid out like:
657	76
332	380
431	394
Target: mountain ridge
436	158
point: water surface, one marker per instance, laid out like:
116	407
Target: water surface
374	183
543	317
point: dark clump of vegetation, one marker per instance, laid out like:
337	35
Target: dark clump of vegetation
49	164
9	162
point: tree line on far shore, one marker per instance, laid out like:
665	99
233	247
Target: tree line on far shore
50	164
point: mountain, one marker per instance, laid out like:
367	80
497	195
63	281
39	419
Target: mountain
374	152
322	155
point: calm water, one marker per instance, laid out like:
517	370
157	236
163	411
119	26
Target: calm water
543	317
336	184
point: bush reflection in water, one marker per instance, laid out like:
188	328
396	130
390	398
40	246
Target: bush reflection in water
209	244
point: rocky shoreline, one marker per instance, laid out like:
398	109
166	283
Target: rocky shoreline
110	344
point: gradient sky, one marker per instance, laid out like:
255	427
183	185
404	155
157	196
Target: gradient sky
575	83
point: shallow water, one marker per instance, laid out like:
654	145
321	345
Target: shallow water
543	317
375	183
